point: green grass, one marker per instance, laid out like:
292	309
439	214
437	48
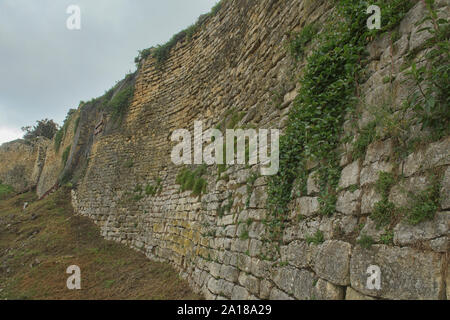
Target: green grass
384	211
5	190
109	270
226	208
366	136
366	241
385	182
77	123
387	238
192	180
121	101
300	40
316	238
425	205
65	155
244	235
129	164
154	189
58	139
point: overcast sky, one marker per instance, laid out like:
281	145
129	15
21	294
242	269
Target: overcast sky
46	69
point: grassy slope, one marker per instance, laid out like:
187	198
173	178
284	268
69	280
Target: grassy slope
37	246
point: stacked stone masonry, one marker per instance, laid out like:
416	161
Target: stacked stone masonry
235	62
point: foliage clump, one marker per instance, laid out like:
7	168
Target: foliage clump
154	189
316	238
384	211
192	180
43	128
328	92
430	99
65	155
120	102
59	136
5	190
425	205
365	241
300	40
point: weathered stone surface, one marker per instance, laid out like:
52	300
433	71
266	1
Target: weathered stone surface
352	294
284	278
312	184
258	198
406	234
325	290
307	206
229	273
445	190
21	163
350	175
379	151
303	285
402	193
277	294
405	273
370	229
371	172
436	154
265	289
332	262
239	293
369	198
348	202
297	253
440	244
249	282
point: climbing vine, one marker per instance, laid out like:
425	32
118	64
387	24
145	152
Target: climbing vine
329	91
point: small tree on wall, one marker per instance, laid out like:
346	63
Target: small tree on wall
43	128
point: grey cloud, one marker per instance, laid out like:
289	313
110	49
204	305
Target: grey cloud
46	69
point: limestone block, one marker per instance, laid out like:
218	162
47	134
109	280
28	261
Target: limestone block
284	278
265	289
303	285
445	190
378	151
297	253
406	234
312	184
352	294
332	262
369	198
307	206
249	282
350	175
277	294
348	202
406	273
325	290
239	293
229	273
371	172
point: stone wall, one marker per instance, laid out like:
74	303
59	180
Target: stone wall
22	163
236	63
53	165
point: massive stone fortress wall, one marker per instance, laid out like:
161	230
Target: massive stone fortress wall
22	163
237	63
